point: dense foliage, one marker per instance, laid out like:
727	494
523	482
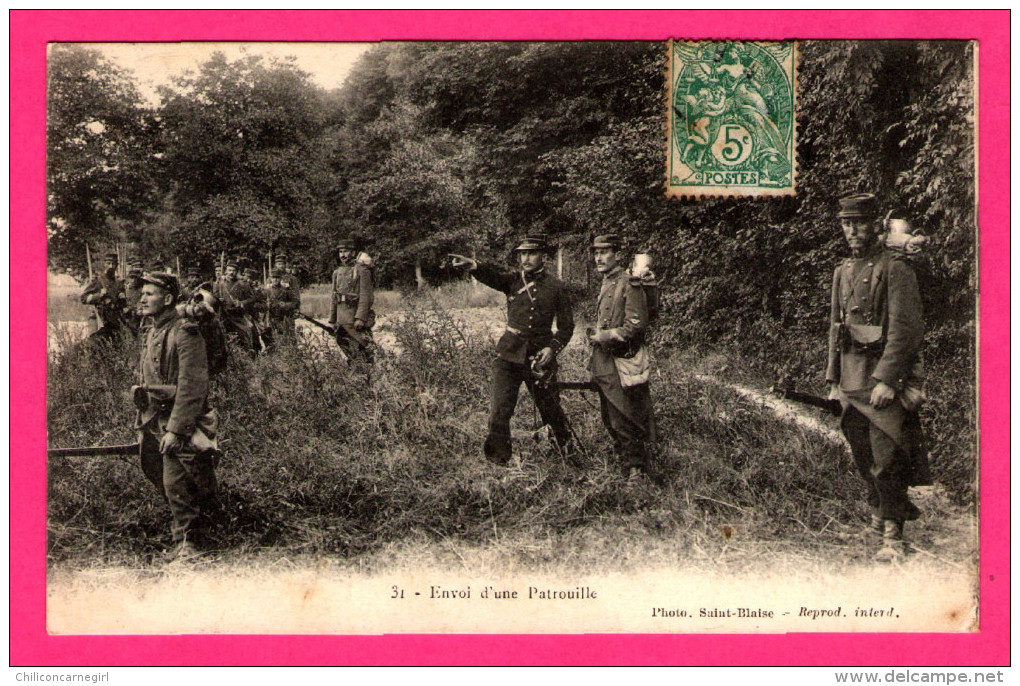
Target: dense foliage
429	148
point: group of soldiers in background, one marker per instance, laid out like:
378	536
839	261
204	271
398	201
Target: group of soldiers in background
258	316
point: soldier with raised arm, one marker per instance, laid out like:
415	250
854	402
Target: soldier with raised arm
874	350
527	350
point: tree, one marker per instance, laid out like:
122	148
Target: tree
241	167
99	155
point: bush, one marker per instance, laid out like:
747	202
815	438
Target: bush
320	459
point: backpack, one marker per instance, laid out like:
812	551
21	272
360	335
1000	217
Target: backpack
201	311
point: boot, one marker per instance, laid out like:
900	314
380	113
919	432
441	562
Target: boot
893	547
874	527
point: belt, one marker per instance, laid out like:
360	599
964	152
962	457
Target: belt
346	300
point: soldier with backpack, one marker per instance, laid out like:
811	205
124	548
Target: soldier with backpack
620	362
177	430
875	337
351	312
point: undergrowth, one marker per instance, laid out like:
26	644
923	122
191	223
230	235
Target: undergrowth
324	457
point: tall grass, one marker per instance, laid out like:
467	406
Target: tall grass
322	457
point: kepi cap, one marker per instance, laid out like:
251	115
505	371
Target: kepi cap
859	205
535	242
168	282
345	244
607	240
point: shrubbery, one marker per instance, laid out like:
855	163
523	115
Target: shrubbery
319	459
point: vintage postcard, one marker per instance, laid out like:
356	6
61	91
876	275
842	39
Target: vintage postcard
395	338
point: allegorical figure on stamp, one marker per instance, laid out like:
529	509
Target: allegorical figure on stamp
177	428
351	310
875	341
527	350
620	362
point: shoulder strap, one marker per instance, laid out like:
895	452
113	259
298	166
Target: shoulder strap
619	301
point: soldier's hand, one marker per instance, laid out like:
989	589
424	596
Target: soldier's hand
544	357
601	336
359	325
833	391
882	395
170	443
461	262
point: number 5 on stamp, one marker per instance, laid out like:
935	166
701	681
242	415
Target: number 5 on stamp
731	118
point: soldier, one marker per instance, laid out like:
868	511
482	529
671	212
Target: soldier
528	347
192	280
281	303
620	363
105	293
132	294
874	345
353	294
288	277
236	300
177	430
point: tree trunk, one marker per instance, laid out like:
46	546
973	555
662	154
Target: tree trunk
418	276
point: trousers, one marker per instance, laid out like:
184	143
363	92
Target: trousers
506	384
188	483
882	464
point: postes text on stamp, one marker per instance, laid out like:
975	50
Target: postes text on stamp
731	119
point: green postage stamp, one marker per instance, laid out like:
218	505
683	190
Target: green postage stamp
732	118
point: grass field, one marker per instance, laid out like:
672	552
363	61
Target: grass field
321	462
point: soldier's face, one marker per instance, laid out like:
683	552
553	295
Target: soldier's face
230	273
605	260
345	255
110	265
153	300
531	260
860	232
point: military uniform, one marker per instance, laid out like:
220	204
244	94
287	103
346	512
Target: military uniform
132	292
174	354
106	294
351	310
621	328
281	303
876	331
237	300
534	302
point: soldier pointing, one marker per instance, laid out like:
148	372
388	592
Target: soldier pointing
535	301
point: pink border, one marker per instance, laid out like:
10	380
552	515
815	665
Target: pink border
29	643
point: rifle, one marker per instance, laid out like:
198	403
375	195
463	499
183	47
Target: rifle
142	396
572	385
94	450
830	405
338	332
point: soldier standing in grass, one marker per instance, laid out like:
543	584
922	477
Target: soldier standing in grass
620	363
351	309
874	347
177	430
281	304
236	300
105	292
528	347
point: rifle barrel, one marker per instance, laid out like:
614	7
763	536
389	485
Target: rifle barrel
95	450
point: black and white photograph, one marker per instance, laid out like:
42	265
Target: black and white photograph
564	337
